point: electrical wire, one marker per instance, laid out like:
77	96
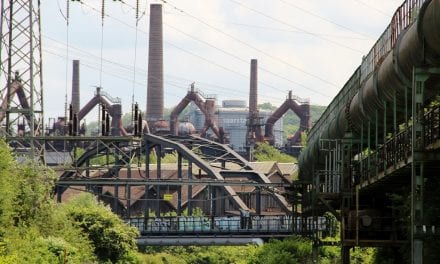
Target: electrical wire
373	8
121	77
246	62
268	28
324	19
226	52
102	39
252	47
129	68
67	17
117	71
290	31
295	27
135	52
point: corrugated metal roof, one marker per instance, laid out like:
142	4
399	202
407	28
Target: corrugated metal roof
265	167
287	168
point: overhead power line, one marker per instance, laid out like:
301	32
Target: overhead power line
274	28
247	62
324	19
86	60
295	27
252	47
373	8
226	52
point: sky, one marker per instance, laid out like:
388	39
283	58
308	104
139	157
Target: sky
311	47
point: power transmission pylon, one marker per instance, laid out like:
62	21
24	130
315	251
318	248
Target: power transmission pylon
21	87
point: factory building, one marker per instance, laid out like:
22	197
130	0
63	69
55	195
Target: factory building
232	117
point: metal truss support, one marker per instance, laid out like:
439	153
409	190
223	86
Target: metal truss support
179	189
21	93
345	255
420	75
159	176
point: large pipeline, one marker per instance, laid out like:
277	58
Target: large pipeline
382	77
206	106
15	88
301	110
114	109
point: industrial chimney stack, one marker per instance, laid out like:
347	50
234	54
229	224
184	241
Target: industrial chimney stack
254	123
253	96
155	66
75	87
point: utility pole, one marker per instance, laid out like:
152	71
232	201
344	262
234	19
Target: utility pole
21	87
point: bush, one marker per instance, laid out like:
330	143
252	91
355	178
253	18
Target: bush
111	238
291	250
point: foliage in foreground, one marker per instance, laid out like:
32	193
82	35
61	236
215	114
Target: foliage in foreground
112	239
290	250
34	229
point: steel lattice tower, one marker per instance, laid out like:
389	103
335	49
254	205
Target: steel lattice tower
21	87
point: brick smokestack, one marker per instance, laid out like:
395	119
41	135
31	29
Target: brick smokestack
155	66
75	87
253	92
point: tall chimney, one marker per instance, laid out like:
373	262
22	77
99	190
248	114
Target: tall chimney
75	87
253	95
155	66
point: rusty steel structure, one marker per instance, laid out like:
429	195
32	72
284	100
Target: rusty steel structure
109	105
379	137
300	107
155	67
222	167
206	104
21	93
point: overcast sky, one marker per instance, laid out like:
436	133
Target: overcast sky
308	46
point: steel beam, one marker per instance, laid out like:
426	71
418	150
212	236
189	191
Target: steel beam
165	182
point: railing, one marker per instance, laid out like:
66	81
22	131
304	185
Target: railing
372	228
205	96
228	224
298	99
403	17
218	224
113	100
398	148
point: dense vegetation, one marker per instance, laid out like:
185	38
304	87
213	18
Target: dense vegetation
34	229
266	152
288	251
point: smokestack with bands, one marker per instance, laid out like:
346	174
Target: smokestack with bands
155	66
253	93
75	87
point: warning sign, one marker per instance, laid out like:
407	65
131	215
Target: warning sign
167	197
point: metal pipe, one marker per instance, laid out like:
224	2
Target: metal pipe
389	74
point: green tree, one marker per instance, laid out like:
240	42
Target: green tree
267	106
31	228
112	239
266	152
289	251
